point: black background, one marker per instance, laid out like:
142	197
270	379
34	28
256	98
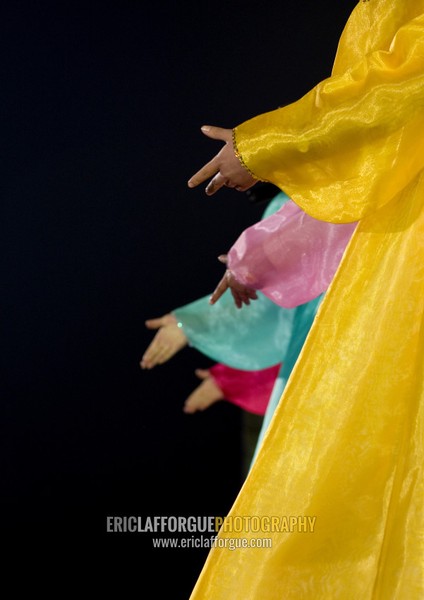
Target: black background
101	108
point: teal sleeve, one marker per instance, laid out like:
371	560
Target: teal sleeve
252	338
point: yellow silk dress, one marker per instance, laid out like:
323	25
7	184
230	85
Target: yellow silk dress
345	447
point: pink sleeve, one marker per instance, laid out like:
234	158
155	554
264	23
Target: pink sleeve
289	256
249	390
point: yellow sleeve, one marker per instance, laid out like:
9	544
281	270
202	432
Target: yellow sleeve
354	141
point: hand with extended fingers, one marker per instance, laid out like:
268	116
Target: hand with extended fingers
168	340
225	168
241	293
206	394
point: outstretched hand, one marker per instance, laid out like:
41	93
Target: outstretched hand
206	394
225	168
241	293
168	340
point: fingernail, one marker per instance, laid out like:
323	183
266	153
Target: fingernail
205	128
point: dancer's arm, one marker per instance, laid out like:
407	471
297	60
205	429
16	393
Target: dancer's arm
345	148
169	339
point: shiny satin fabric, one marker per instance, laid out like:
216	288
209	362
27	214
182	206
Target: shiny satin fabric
328	149
304	317
289	256
250	390
259	391
253	342
253	339
345	447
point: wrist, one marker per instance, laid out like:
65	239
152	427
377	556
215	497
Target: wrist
239	156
